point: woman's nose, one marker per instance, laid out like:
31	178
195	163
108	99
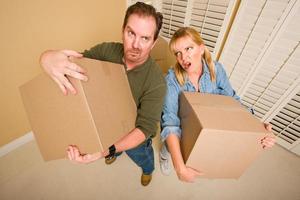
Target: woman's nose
185	56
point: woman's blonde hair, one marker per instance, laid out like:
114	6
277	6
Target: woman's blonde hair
195	36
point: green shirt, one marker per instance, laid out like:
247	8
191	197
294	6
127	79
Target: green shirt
146	81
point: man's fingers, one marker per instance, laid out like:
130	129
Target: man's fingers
72	53
76	152
61	86
75	67
75	74
67	84
71	153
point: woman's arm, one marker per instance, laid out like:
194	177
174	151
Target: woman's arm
184	173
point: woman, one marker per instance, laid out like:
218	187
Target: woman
195	72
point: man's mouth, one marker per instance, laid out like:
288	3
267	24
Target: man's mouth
134	53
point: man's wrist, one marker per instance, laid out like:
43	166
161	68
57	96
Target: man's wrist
112	152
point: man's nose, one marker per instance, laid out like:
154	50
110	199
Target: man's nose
136	43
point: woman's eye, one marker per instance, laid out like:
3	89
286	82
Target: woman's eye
189	48
177	54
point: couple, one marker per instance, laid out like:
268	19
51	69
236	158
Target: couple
194	71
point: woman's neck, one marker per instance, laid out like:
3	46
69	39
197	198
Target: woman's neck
194	76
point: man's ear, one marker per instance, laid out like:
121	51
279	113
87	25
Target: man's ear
122	34
154	43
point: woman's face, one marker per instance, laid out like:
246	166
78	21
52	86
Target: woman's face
188	54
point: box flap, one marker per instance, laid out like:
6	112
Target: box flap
101	112
53	121
227	135
223	113
109	99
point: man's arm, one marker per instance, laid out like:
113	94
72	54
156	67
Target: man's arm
131	140
56	64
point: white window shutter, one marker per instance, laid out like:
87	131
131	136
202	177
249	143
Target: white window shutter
262	58
131	2
174	16
155	3
286	124
207	17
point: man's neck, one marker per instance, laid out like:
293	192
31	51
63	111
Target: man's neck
132	65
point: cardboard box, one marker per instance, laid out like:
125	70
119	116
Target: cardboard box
219	136
100	113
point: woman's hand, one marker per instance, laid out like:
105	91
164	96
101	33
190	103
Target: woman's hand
75	155
188	174
268	141
57	65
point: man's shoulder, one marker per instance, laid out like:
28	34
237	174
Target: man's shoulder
155	69
111	45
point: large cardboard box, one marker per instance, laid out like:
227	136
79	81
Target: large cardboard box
219	136
100	113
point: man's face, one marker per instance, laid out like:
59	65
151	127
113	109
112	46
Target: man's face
138	39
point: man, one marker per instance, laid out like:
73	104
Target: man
140	30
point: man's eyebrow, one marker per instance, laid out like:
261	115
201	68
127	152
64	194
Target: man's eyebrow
129	28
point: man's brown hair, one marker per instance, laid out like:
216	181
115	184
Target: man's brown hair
144	10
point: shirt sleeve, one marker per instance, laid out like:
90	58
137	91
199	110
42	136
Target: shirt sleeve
225	86
107	51
170	121
223	83
149	110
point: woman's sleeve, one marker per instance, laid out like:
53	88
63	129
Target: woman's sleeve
223	83
170	121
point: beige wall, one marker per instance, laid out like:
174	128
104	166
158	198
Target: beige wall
29	27
162	55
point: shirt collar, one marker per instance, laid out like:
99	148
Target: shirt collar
205	67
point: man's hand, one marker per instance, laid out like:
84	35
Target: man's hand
268	141
57	65
188	174
75	155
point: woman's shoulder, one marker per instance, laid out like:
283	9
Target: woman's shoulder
170	76
219	68
218	65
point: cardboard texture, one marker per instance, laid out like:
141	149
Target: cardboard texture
220	137
102	111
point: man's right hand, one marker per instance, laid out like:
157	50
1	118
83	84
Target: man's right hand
76	156
57	65
188	174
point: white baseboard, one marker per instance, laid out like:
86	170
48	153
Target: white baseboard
16	143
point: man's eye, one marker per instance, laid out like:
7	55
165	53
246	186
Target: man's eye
146	39
130	33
